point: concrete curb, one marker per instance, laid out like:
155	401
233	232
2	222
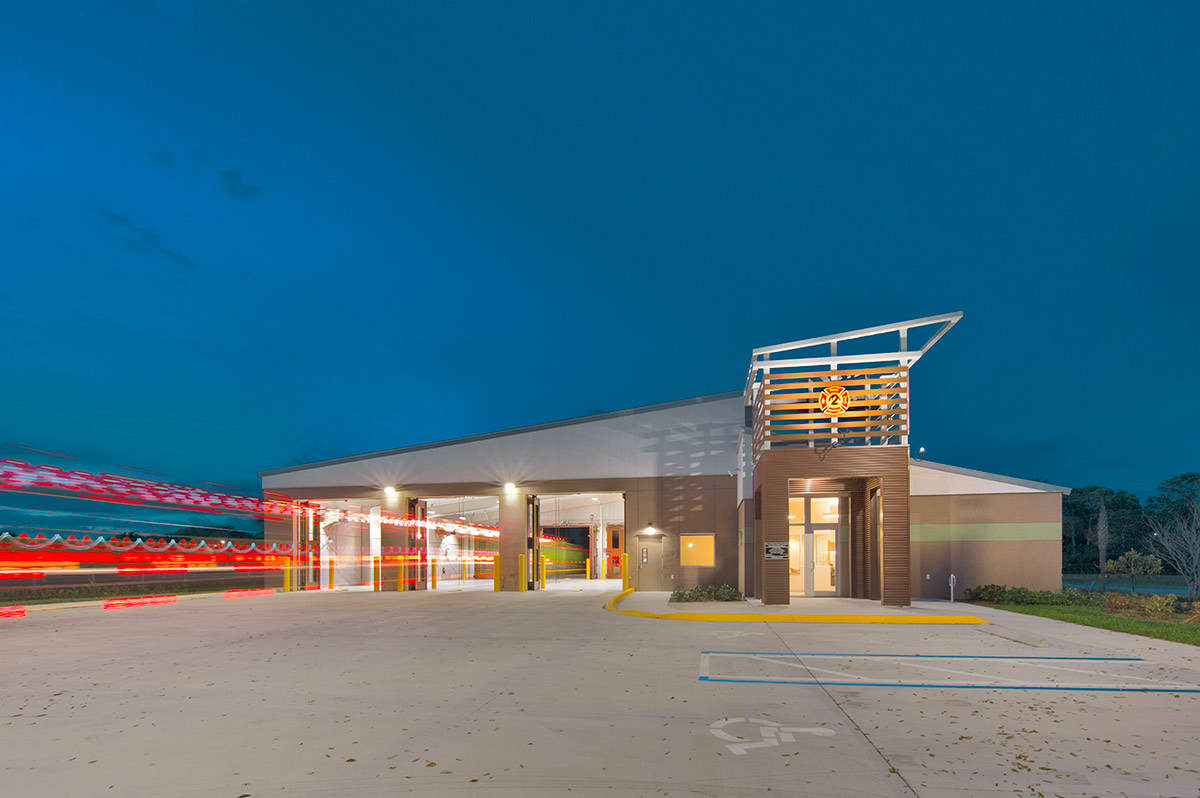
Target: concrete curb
744	617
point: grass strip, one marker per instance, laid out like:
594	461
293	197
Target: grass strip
1096	616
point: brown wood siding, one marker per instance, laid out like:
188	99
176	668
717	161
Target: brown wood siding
756	587
858	544
746	535
854	468
871	555
894	540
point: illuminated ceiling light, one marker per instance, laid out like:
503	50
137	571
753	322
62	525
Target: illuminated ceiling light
595	499
510	487
462	518
389	491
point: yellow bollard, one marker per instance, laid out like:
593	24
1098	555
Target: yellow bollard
587	568
287	575
545	562
624	571
521	586
496	574
331	559
433	573
377	575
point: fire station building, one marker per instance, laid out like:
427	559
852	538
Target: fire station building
801	484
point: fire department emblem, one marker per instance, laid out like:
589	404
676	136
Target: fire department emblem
834	400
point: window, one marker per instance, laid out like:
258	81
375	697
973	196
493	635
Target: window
696	550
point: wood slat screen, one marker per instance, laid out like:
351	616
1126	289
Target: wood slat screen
787	409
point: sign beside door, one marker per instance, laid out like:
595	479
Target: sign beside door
775	551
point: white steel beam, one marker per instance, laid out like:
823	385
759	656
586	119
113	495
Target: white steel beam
903	357
948	318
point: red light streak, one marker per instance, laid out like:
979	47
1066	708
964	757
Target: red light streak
12	612
19	475
128	570
140	601
266	591
24	574
38	557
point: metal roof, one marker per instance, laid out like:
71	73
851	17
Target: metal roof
967	472
504	433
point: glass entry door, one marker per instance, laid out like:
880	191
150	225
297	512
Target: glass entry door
813	526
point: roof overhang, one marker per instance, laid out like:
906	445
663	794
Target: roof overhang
797	354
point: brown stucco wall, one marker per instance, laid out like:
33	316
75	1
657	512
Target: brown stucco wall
1012	539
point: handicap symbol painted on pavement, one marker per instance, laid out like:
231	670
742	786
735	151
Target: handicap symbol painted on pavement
729	634
772	733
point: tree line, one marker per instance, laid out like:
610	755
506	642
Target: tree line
1101	525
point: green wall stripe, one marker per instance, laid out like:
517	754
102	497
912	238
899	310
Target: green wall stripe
934	533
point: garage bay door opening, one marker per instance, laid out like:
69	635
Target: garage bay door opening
462	543
582	535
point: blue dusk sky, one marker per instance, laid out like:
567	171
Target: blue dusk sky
241	236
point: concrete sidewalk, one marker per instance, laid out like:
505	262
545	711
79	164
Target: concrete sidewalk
801	610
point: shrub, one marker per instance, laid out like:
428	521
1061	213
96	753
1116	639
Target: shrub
1120	602
1020	595
1158	606
727	593
1150	606
1073	596
991	594
1002	594
706	593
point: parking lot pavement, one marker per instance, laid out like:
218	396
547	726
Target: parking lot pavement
544	693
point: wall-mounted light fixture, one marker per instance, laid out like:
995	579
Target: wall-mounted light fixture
510	488
389	491
650	530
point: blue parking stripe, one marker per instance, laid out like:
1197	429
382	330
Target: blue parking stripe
924	656
962	686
